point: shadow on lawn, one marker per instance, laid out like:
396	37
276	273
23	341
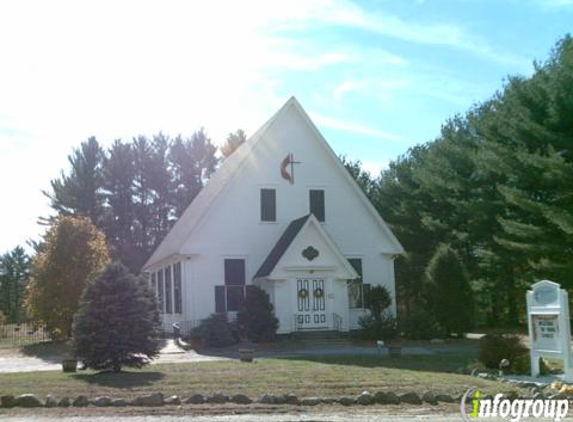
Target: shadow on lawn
121	379
51	351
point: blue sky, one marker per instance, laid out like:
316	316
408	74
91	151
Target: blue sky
377	77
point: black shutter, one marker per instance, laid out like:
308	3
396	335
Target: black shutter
268	205
220	299
235	272
168	294
178	306
316	197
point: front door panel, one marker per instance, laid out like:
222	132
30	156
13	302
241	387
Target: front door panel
311	303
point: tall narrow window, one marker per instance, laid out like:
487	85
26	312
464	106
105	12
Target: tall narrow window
160	296
177	288
316	197
235	283
168	294
355	287
268	205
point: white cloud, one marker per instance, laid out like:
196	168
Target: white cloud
347	126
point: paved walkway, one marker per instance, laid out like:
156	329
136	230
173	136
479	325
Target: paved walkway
169	354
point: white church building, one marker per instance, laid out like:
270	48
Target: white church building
284	214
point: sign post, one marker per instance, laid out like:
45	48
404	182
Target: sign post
549	329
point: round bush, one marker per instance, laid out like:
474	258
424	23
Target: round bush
493	348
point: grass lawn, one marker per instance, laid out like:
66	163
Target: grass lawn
326	376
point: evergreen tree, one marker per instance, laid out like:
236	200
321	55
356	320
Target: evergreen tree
80	193
192	162
118	322
119	175
234	141
73	252
14	277
256	318
449	292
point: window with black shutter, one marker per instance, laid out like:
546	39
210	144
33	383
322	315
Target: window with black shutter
235	277
316	199
268	205
220	305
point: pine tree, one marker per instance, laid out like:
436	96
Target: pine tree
14	277
234	141
119	175
192	162
80	193
118	322
449	292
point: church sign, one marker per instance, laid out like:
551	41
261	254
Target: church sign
549	329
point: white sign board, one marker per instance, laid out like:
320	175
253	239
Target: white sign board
549	329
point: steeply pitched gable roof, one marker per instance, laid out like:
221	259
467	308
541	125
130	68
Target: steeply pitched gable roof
181	231
281	246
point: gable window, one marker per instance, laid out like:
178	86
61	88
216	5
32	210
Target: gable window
268	205
177	296
168	295
160	301
356	288
316	202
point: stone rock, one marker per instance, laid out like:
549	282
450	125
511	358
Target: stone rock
445	398
539	396
392	398
291	398
173	400
119	403
310	401
365	398
81	401
7	401
218	398
152	400
512	395
51	401
28	400
380	397
429	398
195	399
241	399
410	398
280	399
65	402
558	396
102	401
266	399
347	401
327	400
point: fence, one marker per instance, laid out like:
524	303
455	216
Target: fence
23	332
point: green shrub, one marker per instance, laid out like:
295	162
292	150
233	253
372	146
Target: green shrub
382	328
493	348
450	296
215	331
118	322
420	325
256	319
